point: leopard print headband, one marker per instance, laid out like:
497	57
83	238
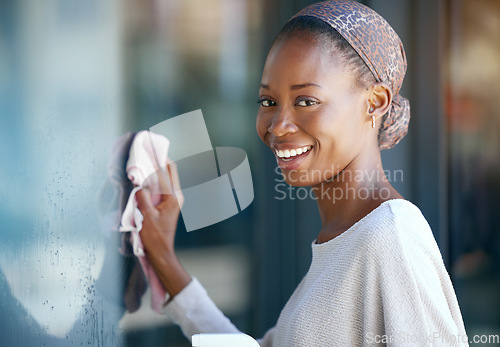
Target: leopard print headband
380	48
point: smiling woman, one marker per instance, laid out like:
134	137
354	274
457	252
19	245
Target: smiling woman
329	102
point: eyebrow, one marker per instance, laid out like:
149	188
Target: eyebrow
295	86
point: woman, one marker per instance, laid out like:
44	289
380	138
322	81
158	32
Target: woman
329	102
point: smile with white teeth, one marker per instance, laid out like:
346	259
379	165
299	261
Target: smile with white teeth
288	154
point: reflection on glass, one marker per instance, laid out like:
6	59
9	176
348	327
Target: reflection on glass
74	76
60	108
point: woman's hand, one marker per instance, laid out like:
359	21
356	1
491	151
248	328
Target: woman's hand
158	229
160	221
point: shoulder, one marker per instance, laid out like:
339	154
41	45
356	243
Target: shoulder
396	218
394	230
398	212
398	229
406	214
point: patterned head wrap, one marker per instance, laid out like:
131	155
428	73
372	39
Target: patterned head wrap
380	48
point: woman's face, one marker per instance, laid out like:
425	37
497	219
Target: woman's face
311	114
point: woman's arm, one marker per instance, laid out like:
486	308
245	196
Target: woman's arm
189	306
158	230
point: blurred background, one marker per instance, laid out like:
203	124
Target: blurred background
76	74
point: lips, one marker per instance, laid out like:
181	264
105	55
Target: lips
290	157
289	154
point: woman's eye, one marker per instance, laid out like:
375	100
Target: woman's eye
305	103
266	102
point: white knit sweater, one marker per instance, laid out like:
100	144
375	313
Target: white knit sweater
382	281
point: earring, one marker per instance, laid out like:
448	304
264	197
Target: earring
373	121
371	110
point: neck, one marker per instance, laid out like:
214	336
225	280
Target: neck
352	194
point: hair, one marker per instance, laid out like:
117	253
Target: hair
331	40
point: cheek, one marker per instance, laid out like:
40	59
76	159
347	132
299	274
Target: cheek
261	125
324	128
339	126
335	131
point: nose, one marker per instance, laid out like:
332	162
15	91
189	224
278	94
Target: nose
282	123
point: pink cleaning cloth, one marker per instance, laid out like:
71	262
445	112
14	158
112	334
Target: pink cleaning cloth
146	151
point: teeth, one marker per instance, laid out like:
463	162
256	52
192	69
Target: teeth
293	152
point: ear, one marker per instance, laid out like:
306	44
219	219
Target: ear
379	100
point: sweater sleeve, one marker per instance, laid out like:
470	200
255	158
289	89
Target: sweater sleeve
418	300
195	313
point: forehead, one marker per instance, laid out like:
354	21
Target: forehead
301	58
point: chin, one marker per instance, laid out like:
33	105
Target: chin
296	180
